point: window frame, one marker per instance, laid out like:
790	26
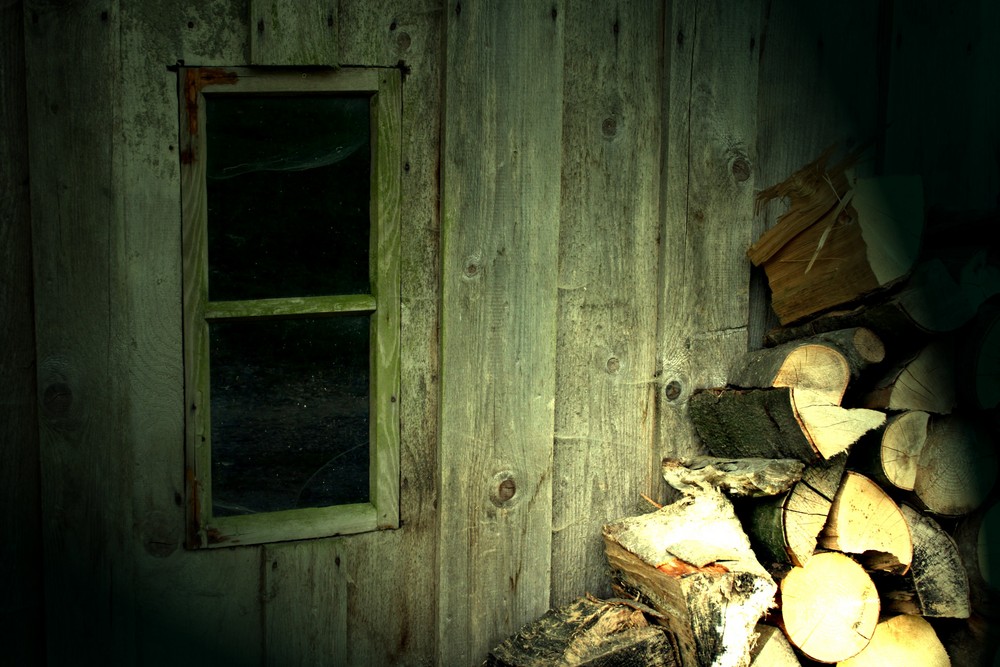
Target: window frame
382	510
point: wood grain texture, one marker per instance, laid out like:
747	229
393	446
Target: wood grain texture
500	203
76	230
21	620
710	128
608	230
301	33
190	608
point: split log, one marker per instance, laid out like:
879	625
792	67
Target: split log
925	381
957	467
937	584
816	373
871	233
784	531
866	522
589	633
734	477
829	607
769	423
890	454
901	640
859	345
692	562
772	649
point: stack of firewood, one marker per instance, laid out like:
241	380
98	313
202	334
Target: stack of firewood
845	506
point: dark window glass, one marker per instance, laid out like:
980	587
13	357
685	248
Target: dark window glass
289	180
290	425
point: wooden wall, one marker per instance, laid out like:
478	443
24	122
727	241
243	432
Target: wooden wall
578	189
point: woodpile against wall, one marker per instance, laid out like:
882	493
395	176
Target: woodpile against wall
845	509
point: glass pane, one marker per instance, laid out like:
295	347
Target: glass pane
289	179
289	413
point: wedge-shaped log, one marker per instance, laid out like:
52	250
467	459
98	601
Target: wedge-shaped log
769	423
589	633
784	530
829	607
772	649
901	640
937	584
692	562
866	522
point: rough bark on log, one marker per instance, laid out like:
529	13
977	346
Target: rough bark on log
692	562
785	530
901	640
924	382
829	607
957	468
589	633
937	584
770	423
890	454
865	521
735	477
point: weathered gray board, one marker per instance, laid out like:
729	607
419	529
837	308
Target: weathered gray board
500	185
709	117
21	621
606	328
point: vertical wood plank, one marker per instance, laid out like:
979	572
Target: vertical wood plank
710	116
21	621
500	202
192	608
299	33
944	102
73	107
609	227
817	85
383	601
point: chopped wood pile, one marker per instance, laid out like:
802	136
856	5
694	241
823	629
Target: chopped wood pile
845	510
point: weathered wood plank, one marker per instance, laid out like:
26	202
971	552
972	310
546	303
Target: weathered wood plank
710	123
300	33
500	201
192	608
818	84
73	88
21	621
608	233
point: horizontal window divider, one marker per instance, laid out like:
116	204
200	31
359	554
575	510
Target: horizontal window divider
289	307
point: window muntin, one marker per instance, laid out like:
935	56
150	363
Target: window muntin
291	302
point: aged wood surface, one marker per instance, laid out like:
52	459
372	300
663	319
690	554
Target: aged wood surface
608	230
710	158
78	261
21	616
300	33
500	207
190	609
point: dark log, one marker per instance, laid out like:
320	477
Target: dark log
589	633
957	468
924	381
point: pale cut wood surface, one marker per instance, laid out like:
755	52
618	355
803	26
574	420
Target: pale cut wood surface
300	33
78	262
889	455
21	616
500	207
772	649
816	373
710	155
195	609
829	607
866	522
608	229
901	640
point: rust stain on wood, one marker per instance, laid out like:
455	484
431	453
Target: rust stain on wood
197	78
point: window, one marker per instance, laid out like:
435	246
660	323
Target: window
290	184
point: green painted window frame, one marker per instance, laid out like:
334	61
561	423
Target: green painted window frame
382	510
